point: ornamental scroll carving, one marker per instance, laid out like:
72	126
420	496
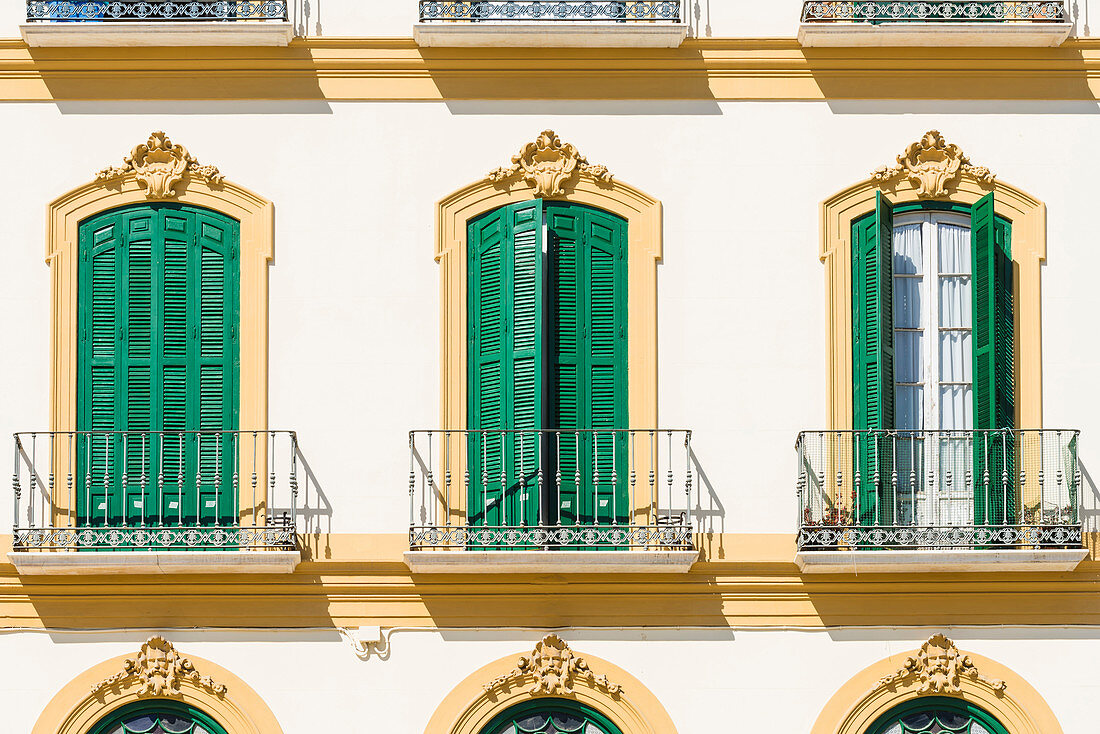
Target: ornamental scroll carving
932	166
554	668
160	165
159	670
549	166
938	667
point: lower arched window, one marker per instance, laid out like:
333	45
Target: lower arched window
550	716
158	717
937	716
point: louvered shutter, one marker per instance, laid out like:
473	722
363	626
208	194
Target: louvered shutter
505	354
159	293
873	359
588	359
995	500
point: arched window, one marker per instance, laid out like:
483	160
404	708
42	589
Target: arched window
547	313
158	717
937	716
158	359
551	716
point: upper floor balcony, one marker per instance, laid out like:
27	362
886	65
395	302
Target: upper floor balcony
950	500
551	23
155	501
934	23
567	501
157	23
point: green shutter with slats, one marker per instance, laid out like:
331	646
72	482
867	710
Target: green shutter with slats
158	310
587	249
873	359
557	362
995	500
505	353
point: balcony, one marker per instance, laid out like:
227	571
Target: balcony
155	502
933	23
157	23
560	501
892	501
551	23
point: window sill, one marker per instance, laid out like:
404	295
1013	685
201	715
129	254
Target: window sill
198	33
571	562
69	563
938	561
551	35
933	34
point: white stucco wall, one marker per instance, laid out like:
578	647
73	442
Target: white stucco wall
354	292
769	681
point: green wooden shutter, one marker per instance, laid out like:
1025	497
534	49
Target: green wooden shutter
158	313
505	354
873	359
587	337
995	500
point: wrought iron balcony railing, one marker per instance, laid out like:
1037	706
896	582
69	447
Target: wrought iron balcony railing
156	10
516	11
933	11
155	490
938	489
550	490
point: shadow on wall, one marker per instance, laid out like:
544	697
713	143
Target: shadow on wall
1080	19
1090	511
709	514
697	14
305	16
314	513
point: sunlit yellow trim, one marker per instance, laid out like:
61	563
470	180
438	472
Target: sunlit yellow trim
853	708
75	710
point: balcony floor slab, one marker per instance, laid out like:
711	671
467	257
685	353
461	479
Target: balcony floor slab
69	563
161	33
550	35
460	561
933	34
938	561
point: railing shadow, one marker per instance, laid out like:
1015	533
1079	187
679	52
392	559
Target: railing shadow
710	517
314	512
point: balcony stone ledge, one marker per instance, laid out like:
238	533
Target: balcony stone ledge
571	562
841	34
938	561
70	563
159	33
550	35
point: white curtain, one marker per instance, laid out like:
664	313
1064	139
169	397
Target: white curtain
909	307
955	344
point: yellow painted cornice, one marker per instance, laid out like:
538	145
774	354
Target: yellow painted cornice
396	69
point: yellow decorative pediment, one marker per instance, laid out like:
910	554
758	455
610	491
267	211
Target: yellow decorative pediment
160	165
550	166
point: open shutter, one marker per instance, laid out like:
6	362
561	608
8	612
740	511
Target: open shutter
995	500
505	355
873	359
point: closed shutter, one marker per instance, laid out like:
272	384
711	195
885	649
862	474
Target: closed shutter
873	360
995	450
588	346
505	352
158	312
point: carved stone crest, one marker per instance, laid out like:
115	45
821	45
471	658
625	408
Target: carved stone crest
932	166
549	166
159	670
937	667
554	667
160	165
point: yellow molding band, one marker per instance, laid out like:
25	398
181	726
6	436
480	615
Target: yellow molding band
365	582
396	69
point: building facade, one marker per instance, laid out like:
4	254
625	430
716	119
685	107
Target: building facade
609	367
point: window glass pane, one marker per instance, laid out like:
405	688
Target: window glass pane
956	407
954	248
908	301
955	303
956	357
909	407
908	356
908	252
